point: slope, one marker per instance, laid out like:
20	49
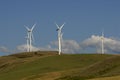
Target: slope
106	68
38	65
107	78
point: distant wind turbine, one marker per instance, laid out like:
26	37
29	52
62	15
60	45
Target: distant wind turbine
102	45
59	29
30	38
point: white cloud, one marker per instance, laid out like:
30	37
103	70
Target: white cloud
110	44
68	46
91	42
23	48
4	49
71	46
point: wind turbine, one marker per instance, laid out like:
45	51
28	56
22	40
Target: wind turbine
59	29
30	38
102	40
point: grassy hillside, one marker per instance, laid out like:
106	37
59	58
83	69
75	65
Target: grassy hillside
50	66
108	78
105	68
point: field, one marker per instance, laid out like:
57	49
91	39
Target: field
108	78
47	65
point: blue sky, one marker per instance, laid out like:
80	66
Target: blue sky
83	18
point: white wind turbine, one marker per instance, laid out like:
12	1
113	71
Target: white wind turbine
30	38
59	29
102	40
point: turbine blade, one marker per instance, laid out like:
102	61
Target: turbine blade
33	39
33	27
102	34
102	37
57	25
61	34
62	26
27	28
28	36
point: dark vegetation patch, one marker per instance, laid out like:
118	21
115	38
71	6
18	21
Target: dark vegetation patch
71	78
32	54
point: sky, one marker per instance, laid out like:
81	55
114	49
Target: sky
85	20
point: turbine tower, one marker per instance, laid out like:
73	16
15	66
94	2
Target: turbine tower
27	40
30	38
59	29
102	39
61	41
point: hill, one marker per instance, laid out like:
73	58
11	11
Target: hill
105	68
47	65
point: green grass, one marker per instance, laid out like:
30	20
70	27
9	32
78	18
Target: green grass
107	67
107	78
31	66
